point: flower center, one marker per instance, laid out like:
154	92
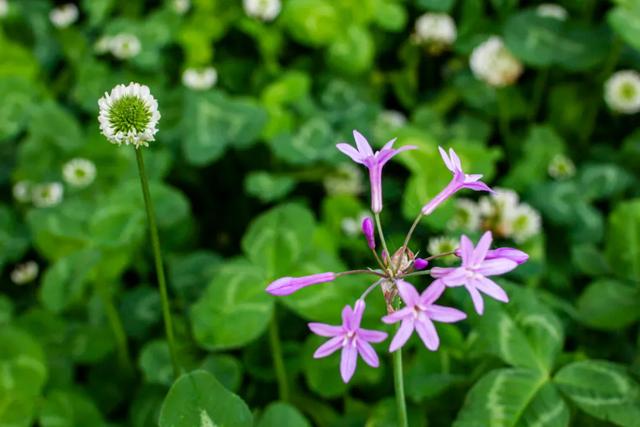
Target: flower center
129	113
628	91
471	274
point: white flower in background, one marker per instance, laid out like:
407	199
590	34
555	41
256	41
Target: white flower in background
353	226
181	6
394	119
622	92
467	216
65	15
561	167
492	63
22	191
125	46
442	244
202	79
102	45
25	273
4	8
524	222
435	30
502	200
47	194
551	10
129	115
265	10
79	172
347	179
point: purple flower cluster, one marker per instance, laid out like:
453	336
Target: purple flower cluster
419	311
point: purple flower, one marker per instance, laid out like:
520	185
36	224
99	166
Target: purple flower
419	313
474	271
373	161
518	256
352	339
368	231
288	285
420	263
460	180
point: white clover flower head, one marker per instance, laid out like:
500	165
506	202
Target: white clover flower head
124	46
435	30
467	216
102	45
25	273
129	115
561	167
393	118
500	201
522	223
64	16
347	179
4	8
47	194
622	92
552	10
79	172
265	10
442	244
492	63
22	191
181	6
200	79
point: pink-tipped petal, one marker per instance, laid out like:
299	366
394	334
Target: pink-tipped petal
351	152
466	250
432	293
481	249
348	361
408	293
427	332
403	334
372	336
363	145
325	330
398	315
492	267
446	160
440	313
358	311
368	353
478	303
328	347
492	289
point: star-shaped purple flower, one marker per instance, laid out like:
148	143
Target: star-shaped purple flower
351	338
373	161
459	181
474	271
419	313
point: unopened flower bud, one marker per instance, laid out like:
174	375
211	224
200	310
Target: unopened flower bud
420	263
369	233
289	285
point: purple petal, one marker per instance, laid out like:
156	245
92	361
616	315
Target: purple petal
472	177
325	330
363	145
398	315
389	145
358	311
375	182
351	152
457	278
441	197
439	272
481	249
289	285
368	353
466	250
446	160
427	332
477	186
329	347
478	303
432	293
455	160
440	313
371	336
403	334
348	361
408	293
492	267
514	255
491	288
347	316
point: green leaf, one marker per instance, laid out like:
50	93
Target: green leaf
623	240
69	409
353	53
601	181
385	414
227	369
608	304
268	187
312	22
513	397
235	309
155	363
626	22
16	60
603	390
14	239
313	141
17	101
278	238
280	414
198	399
436	5
189	273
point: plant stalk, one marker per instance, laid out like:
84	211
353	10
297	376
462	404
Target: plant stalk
157	256
113	317
278	360
398	382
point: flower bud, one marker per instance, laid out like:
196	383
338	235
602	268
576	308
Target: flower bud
368	231
420	263
289	285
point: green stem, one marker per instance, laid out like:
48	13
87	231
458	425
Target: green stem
538	92
398	382
113	317
376	216
157	256
278	360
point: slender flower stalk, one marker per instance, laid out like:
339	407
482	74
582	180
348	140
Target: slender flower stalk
278	359
398	385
